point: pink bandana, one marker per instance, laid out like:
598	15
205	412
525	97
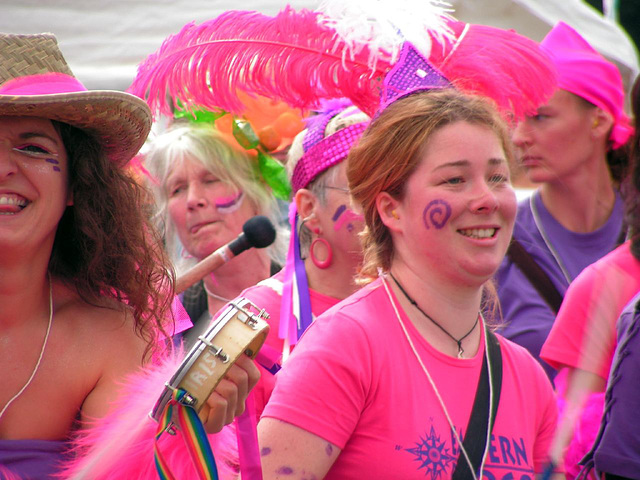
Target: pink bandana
42	84
584	72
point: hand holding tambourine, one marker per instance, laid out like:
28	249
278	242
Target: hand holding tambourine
228	399
217	374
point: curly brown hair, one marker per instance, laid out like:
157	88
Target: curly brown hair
389	152
105	246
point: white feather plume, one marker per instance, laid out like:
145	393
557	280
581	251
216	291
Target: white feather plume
384	25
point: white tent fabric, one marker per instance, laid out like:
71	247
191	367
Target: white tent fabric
104	41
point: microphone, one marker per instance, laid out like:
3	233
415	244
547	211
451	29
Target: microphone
257	232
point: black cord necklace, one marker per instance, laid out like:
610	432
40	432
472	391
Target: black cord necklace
415	304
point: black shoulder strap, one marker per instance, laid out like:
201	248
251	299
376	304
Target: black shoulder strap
475	438
535	274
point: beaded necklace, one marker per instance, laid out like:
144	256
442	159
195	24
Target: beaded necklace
44	345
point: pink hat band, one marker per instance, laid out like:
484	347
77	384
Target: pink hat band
586	73
42	84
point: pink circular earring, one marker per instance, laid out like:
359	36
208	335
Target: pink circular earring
322	264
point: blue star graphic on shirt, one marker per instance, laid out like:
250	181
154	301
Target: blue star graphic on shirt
432	454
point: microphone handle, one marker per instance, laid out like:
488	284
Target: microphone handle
203	267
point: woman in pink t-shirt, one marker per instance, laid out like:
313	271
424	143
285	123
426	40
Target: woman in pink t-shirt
383	384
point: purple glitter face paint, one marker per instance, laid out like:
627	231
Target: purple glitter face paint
229	204
265	451
47	156
436	213
344	215
54	162
329	449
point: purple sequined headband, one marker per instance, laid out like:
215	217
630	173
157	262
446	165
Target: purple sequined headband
324	154
412	73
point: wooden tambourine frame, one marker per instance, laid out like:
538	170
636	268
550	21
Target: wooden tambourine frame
240	329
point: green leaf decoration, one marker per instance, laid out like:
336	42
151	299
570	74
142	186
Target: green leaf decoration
244	134
272	171
199	116
275	175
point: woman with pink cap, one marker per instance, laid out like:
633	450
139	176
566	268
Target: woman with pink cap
85	289
575	217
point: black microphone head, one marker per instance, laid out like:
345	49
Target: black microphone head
259	231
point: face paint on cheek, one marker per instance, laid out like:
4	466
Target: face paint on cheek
54	162
436	214
344	215
229	204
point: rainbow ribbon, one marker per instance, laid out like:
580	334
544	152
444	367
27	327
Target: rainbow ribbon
194	437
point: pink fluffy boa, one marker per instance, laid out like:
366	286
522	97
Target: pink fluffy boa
586	429
6	474
120	445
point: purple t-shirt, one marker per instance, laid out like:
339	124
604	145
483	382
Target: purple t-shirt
526	316
618	449
32	459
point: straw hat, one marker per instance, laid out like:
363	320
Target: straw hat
35	81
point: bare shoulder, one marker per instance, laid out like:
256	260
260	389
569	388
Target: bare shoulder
107	330
106	348
89	351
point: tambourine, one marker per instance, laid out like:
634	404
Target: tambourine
240	329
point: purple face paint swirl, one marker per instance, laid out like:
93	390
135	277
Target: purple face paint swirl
54	162
436	213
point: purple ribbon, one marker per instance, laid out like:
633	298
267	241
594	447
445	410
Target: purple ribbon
292	326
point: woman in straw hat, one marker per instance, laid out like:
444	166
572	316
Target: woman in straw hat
84	287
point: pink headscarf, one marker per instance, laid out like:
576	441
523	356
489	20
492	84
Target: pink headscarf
586	73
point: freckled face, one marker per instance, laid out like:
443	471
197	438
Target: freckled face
459	208
34	189
206	212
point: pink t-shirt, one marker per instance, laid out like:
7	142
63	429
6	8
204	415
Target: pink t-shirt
584	333
354	381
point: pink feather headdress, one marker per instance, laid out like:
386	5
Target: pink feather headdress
291	57
301	57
